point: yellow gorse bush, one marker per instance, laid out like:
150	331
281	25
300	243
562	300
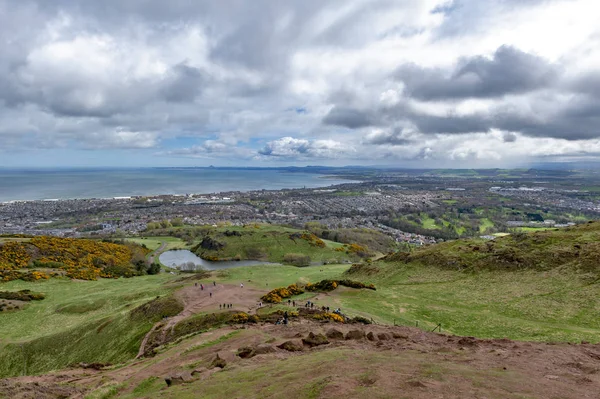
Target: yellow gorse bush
79	258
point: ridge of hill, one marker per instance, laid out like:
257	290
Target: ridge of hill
575	248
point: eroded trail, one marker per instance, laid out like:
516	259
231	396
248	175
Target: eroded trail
206	297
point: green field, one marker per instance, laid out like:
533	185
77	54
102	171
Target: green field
526	305
154	243
485	223
272	243
78	321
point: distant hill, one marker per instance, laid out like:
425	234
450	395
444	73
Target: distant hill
576	248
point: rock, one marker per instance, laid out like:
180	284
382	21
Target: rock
332	333
218	362
246	352
199	370
551	377
210	243
384	336
291	346
355	334
264	349
179	378
371	336
315	340
399	336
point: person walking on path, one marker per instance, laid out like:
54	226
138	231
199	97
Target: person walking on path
211	294
241	285
214	283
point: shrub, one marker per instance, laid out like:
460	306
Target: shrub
23	295
276	295
330	285
299	260
328	316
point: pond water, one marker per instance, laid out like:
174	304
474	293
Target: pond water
183	259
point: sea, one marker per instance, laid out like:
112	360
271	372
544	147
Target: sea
57	184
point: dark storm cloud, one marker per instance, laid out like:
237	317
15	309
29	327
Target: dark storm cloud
509	71
579	120
184	85
451	124
509	137
348	117
395	137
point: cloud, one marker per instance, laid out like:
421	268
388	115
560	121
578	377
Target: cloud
292	148
388	137
348	117
433	80
508	71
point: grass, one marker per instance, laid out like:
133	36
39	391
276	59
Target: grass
524	305
270	243
485	223
79	321
544	286
207	344
154	243
273	276
339	372
530	229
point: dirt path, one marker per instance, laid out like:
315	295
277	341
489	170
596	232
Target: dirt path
206	297
157	252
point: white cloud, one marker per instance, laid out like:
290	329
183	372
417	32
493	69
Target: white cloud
257	85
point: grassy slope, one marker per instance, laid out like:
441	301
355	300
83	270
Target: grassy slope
78	321
273	241
154	243
538	287
309	376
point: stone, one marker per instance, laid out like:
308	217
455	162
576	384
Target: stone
291	346
218	362
246	352
313	340
371	336
333	333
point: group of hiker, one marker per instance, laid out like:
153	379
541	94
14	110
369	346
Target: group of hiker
226	306
284	319
202	285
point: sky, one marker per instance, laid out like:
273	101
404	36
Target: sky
406	83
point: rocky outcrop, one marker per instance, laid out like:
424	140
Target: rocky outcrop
333	333
292	346
313	340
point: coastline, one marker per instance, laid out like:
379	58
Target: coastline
124	184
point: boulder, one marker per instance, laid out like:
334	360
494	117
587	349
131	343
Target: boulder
218	362
315	340
355	334
291	346
333	333
246	352
179	378
399	336
371	336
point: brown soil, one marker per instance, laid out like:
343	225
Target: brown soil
196	300
401	362
421	364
